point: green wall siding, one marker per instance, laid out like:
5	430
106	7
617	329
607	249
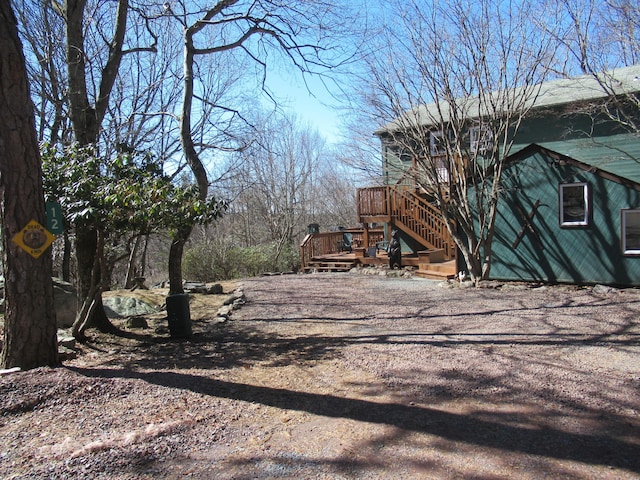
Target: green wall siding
590	254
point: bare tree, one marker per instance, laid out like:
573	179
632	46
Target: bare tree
286	179
42	31
299	32
599	38
333	202
29	321
456	79
141	117
279	170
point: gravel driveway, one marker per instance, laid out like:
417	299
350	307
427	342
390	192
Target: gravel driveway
345	376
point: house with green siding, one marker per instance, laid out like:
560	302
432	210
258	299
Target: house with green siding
570	212
569	206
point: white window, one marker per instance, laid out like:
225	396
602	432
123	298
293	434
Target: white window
630	235
574	204
443	171
480	139
437	142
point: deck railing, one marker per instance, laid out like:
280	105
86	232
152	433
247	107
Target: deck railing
423	219
327	243
402	206
373	201
409	212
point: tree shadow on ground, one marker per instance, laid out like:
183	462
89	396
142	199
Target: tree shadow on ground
236	344
614	444
596	449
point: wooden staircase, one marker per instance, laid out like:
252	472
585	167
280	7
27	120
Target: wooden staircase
404	209
399	207
420	220
432	265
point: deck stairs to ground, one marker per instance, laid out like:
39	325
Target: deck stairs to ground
437	271
400	207
408	211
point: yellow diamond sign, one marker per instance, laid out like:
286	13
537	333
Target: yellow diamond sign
33	239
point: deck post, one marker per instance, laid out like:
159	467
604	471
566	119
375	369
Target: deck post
365	235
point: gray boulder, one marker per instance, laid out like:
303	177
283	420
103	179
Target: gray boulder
194	287
66	303
118	307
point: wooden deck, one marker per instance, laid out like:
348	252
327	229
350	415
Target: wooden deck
400	208
345	261
408	211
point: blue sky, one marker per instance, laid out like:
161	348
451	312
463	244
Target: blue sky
317	108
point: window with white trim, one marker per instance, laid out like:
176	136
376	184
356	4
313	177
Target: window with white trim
574	204
443	171
630	234
480	139
437	142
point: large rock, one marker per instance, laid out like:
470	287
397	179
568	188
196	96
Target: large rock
66	303
125	306
194	287
199	287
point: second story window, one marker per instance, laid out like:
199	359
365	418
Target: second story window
480	139
438	142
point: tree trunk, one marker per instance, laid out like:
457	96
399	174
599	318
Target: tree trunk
143	260
175	259
90	271
132	271
86	120
199	172
90	309
30	324
66	257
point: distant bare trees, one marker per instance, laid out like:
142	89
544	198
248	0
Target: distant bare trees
287	178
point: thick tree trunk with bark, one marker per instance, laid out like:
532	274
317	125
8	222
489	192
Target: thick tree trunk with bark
30	324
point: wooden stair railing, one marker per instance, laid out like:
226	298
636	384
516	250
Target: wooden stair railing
421	220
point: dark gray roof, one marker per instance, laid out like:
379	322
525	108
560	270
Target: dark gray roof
622	81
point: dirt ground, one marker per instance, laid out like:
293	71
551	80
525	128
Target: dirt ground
345	376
